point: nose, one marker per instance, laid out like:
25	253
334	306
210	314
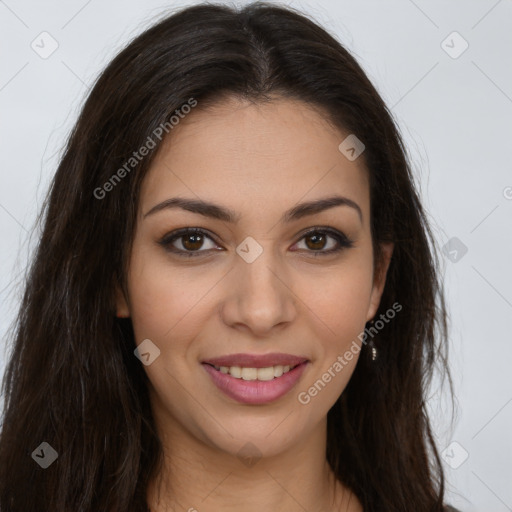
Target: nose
260	296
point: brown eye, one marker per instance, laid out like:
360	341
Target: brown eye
316	241
325	241
188	242
192	242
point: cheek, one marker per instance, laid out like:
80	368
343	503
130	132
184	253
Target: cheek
339	298
337	312
163	297
337	305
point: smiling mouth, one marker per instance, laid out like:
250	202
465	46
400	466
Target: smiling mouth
256	386
249	373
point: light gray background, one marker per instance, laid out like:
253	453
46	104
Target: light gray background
455	115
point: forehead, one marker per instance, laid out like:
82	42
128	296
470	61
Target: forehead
247	155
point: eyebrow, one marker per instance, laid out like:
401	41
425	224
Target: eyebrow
215	211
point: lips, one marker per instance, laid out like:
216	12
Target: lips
255	392
256	360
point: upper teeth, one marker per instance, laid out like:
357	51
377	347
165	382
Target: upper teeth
254	373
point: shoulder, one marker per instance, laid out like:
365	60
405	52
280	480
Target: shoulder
449	508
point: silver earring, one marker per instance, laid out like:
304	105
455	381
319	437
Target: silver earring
372	345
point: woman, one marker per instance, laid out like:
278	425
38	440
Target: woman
234	302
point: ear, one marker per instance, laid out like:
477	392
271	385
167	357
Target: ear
122	307
379	279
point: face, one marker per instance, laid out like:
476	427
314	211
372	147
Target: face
275	278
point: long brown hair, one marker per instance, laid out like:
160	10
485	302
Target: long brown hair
72	379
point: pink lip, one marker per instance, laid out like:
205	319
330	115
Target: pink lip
256	360
255	391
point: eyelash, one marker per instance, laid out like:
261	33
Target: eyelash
343	241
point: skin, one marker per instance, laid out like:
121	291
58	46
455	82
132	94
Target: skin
259	161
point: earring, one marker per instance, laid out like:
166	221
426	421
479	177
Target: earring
374	351
371	343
